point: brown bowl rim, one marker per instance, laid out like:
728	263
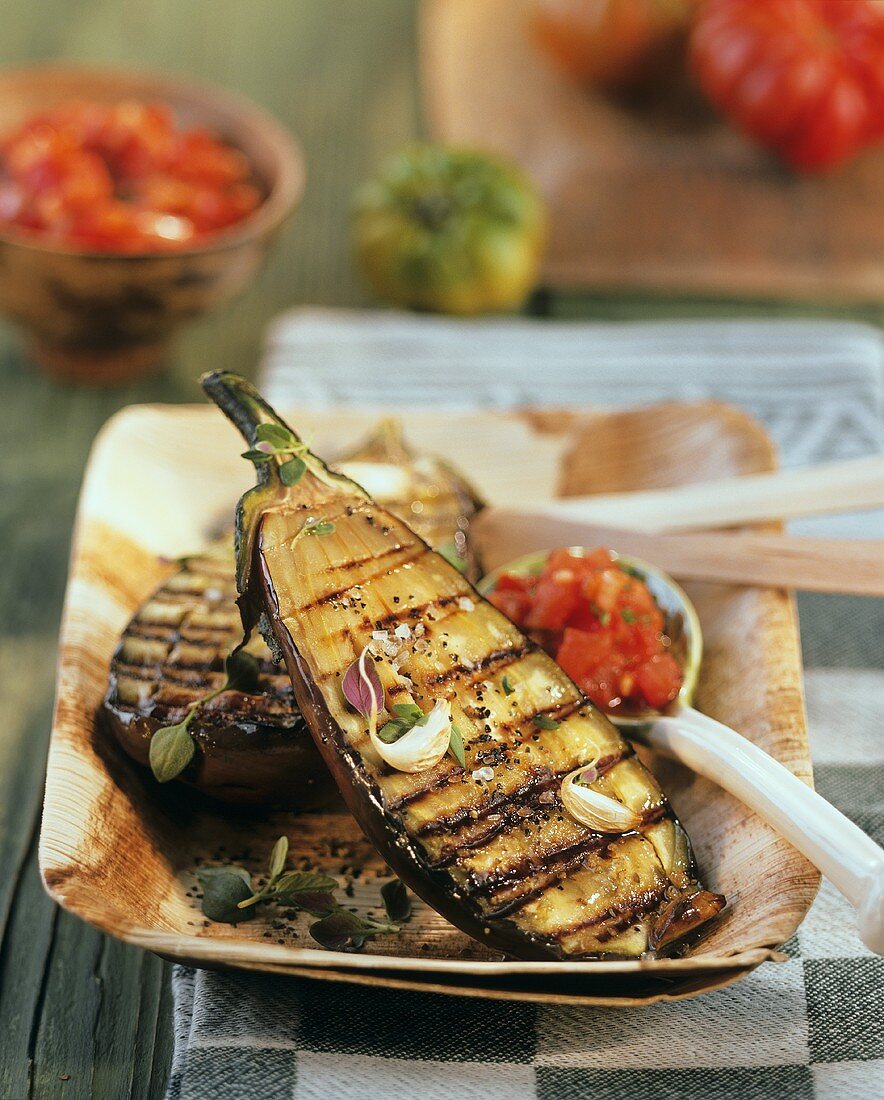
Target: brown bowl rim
279	202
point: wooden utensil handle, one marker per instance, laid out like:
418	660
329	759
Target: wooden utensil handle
812	490
783	561
847	857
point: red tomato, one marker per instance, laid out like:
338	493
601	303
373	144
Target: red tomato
612	43
805	78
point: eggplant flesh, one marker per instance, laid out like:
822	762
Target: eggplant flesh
488	845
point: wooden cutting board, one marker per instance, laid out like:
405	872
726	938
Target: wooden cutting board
660	198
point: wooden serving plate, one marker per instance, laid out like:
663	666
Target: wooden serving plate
121	852
662	196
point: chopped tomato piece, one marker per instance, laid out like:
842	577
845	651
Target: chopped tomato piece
659	679
515	605
555	598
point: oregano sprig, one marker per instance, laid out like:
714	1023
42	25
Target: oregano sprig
275	441
172	747
229	897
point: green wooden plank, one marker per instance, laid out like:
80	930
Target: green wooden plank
81	1015
24	958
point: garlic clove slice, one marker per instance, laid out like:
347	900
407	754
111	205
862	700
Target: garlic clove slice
596	810
423	746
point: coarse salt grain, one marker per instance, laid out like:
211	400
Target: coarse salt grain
380	635
486	774
403	630
466	604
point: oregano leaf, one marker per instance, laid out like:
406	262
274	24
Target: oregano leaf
171	750
223	889
293	883
276	435
397	903
455	746
346	931
278	856
315	902
291	472
409	711
242	669
544	722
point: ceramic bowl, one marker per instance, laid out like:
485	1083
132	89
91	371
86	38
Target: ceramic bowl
103	317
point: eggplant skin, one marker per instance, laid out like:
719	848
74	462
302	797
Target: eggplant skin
252	749
496	853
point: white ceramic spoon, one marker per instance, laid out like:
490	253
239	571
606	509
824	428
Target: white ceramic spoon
849	858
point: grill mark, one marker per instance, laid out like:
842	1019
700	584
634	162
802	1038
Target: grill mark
623	914
271	681
560	714
400	615
527	796
452	821
495	659
540	779
163	709
529	865
352	630
330	597
353	563
548	876
167	596
201	637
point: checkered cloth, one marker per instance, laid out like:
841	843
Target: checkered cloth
810	1026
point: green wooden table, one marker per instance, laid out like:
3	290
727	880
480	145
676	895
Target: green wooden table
80	1014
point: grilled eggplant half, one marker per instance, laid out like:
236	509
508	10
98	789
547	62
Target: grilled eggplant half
254	747
337	581
251	747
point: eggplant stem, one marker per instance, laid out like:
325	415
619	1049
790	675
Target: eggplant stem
241	403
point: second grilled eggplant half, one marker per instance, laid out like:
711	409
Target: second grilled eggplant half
252	747
337	579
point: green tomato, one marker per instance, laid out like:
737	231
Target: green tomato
449	230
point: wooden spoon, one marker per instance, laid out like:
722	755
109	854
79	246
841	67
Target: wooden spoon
849	486
815	565
852	861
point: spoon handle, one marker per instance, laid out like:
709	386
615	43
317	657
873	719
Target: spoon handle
853	485
769	559
838	848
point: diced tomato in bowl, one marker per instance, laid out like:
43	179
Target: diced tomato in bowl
121	177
